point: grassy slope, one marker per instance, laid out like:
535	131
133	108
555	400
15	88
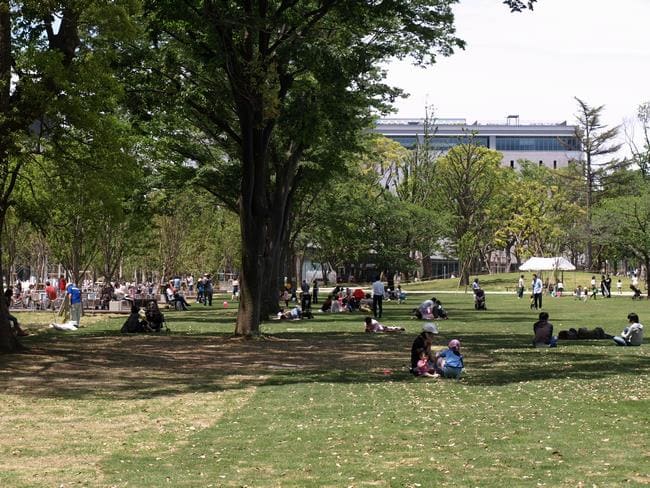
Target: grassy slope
573	416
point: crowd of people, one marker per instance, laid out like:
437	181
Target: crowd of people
425	361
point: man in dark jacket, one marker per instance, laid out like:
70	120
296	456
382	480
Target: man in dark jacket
543	331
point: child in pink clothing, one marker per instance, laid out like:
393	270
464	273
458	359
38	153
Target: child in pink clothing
373	326
424	367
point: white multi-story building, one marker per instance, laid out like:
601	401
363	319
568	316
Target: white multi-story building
548	144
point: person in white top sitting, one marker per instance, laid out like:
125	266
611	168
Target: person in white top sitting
632	335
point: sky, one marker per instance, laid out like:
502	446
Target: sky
533	64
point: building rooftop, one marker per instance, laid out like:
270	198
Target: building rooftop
510	121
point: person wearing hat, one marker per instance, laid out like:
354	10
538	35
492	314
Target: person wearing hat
422	345
450	361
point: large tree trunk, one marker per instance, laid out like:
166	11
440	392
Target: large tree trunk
248	317
275	261
8	342
253	215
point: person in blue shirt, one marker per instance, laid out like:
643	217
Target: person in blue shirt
74	294
449	362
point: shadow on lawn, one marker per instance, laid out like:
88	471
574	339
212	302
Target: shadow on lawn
106	364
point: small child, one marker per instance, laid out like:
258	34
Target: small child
450	362
424	367
401	294
373	326
619	287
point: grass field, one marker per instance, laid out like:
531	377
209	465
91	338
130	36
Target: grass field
320	403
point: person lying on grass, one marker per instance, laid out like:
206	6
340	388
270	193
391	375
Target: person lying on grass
293	314
422	345
373	326
449	363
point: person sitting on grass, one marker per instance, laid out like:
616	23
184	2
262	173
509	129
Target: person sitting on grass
632	335
449	363
580	293
422	345
543	331
373	326
17	330
425	310
424	367
401	294
327	304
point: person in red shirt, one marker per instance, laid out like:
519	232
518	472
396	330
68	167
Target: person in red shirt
50	292
62	285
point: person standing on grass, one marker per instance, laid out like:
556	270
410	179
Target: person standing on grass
62	285
608	286
74	294
377	298
632	335
520	287
208	289
314	292
538	288
50	293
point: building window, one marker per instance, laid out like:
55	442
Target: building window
440	143
407	141
516	143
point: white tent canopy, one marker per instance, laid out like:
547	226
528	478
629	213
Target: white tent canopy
547	264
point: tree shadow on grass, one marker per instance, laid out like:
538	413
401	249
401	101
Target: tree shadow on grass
106	364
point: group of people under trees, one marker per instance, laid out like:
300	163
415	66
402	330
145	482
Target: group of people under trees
72	304
204	292
348	300
604	288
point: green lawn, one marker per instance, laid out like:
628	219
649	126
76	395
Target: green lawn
320	403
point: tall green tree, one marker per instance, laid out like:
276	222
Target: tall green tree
51	62
33	59
467	180
534	213
277	83
623	222
596	141
641	150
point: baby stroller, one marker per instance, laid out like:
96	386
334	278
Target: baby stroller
637	292
479	300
